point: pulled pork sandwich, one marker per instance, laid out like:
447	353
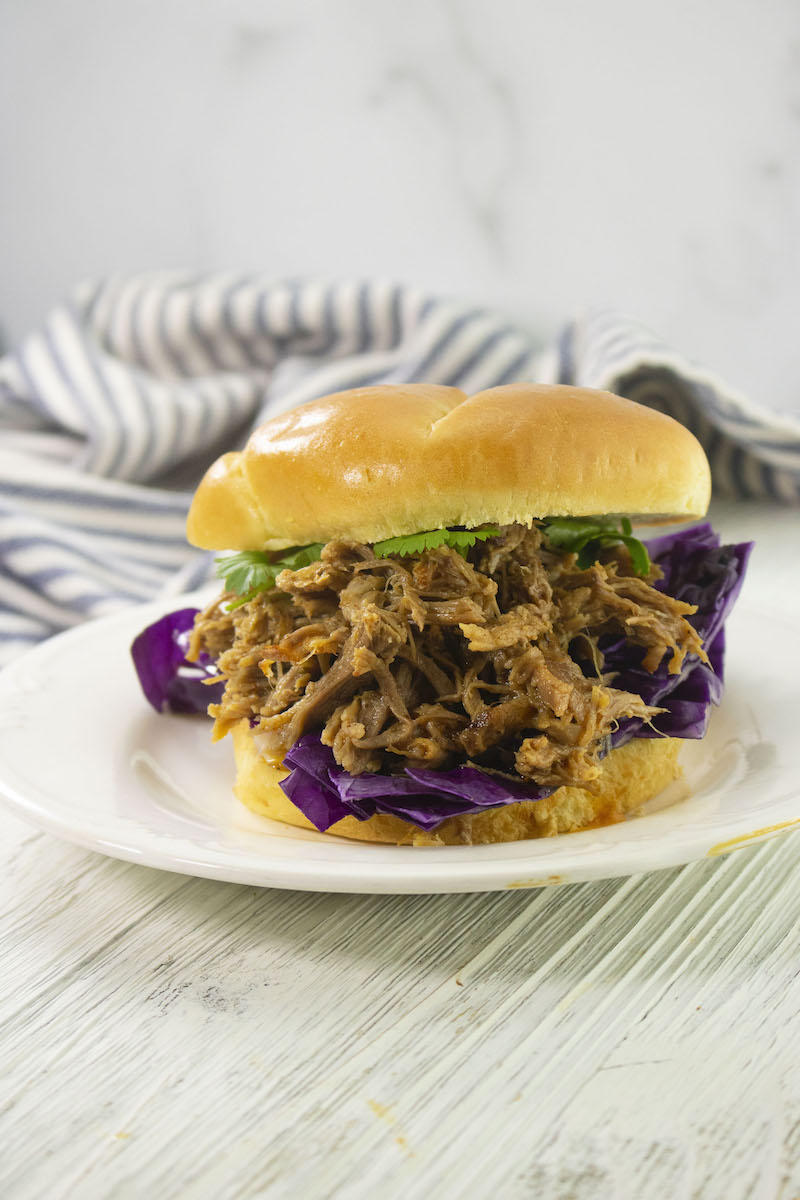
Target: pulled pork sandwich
437	625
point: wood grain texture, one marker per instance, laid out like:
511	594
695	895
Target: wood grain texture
634	1039
179	1037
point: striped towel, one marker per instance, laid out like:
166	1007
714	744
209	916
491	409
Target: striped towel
112	410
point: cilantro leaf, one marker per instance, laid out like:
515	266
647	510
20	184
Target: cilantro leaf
252	571
416	543
244	571
585	536
299	556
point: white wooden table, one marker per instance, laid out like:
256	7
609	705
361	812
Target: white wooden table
168	1037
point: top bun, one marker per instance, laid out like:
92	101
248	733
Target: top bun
377	462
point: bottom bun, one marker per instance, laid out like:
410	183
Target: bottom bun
629	777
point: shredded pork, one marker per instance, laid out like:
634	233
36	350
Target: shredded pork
435	660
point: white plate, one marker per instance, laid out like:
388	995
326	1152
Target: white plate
83	756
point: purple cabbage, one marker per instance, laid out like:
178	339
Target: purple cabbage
169	681
325	792
696	569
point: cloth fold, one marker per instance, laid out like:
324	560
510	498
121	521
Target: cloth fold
112	410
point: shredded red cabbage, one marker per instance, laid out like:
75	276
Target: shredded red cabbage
169	681
698	571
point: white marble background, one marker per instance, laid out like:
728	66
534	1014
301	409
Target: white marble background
539	156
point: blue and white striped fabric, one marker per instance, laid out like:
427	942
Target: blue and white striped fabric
112	410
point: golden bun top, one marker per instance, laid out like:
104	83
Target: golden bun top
377	462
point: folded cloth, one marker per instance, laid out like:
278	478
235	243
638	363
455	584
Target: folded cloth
112	410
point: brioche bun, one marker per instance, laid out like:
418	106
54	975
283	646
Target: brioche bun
377	462
629	777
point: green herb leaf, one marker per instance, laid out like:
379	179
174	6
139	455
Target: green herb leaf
417	543
586	536
640	559
252	571
300	556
